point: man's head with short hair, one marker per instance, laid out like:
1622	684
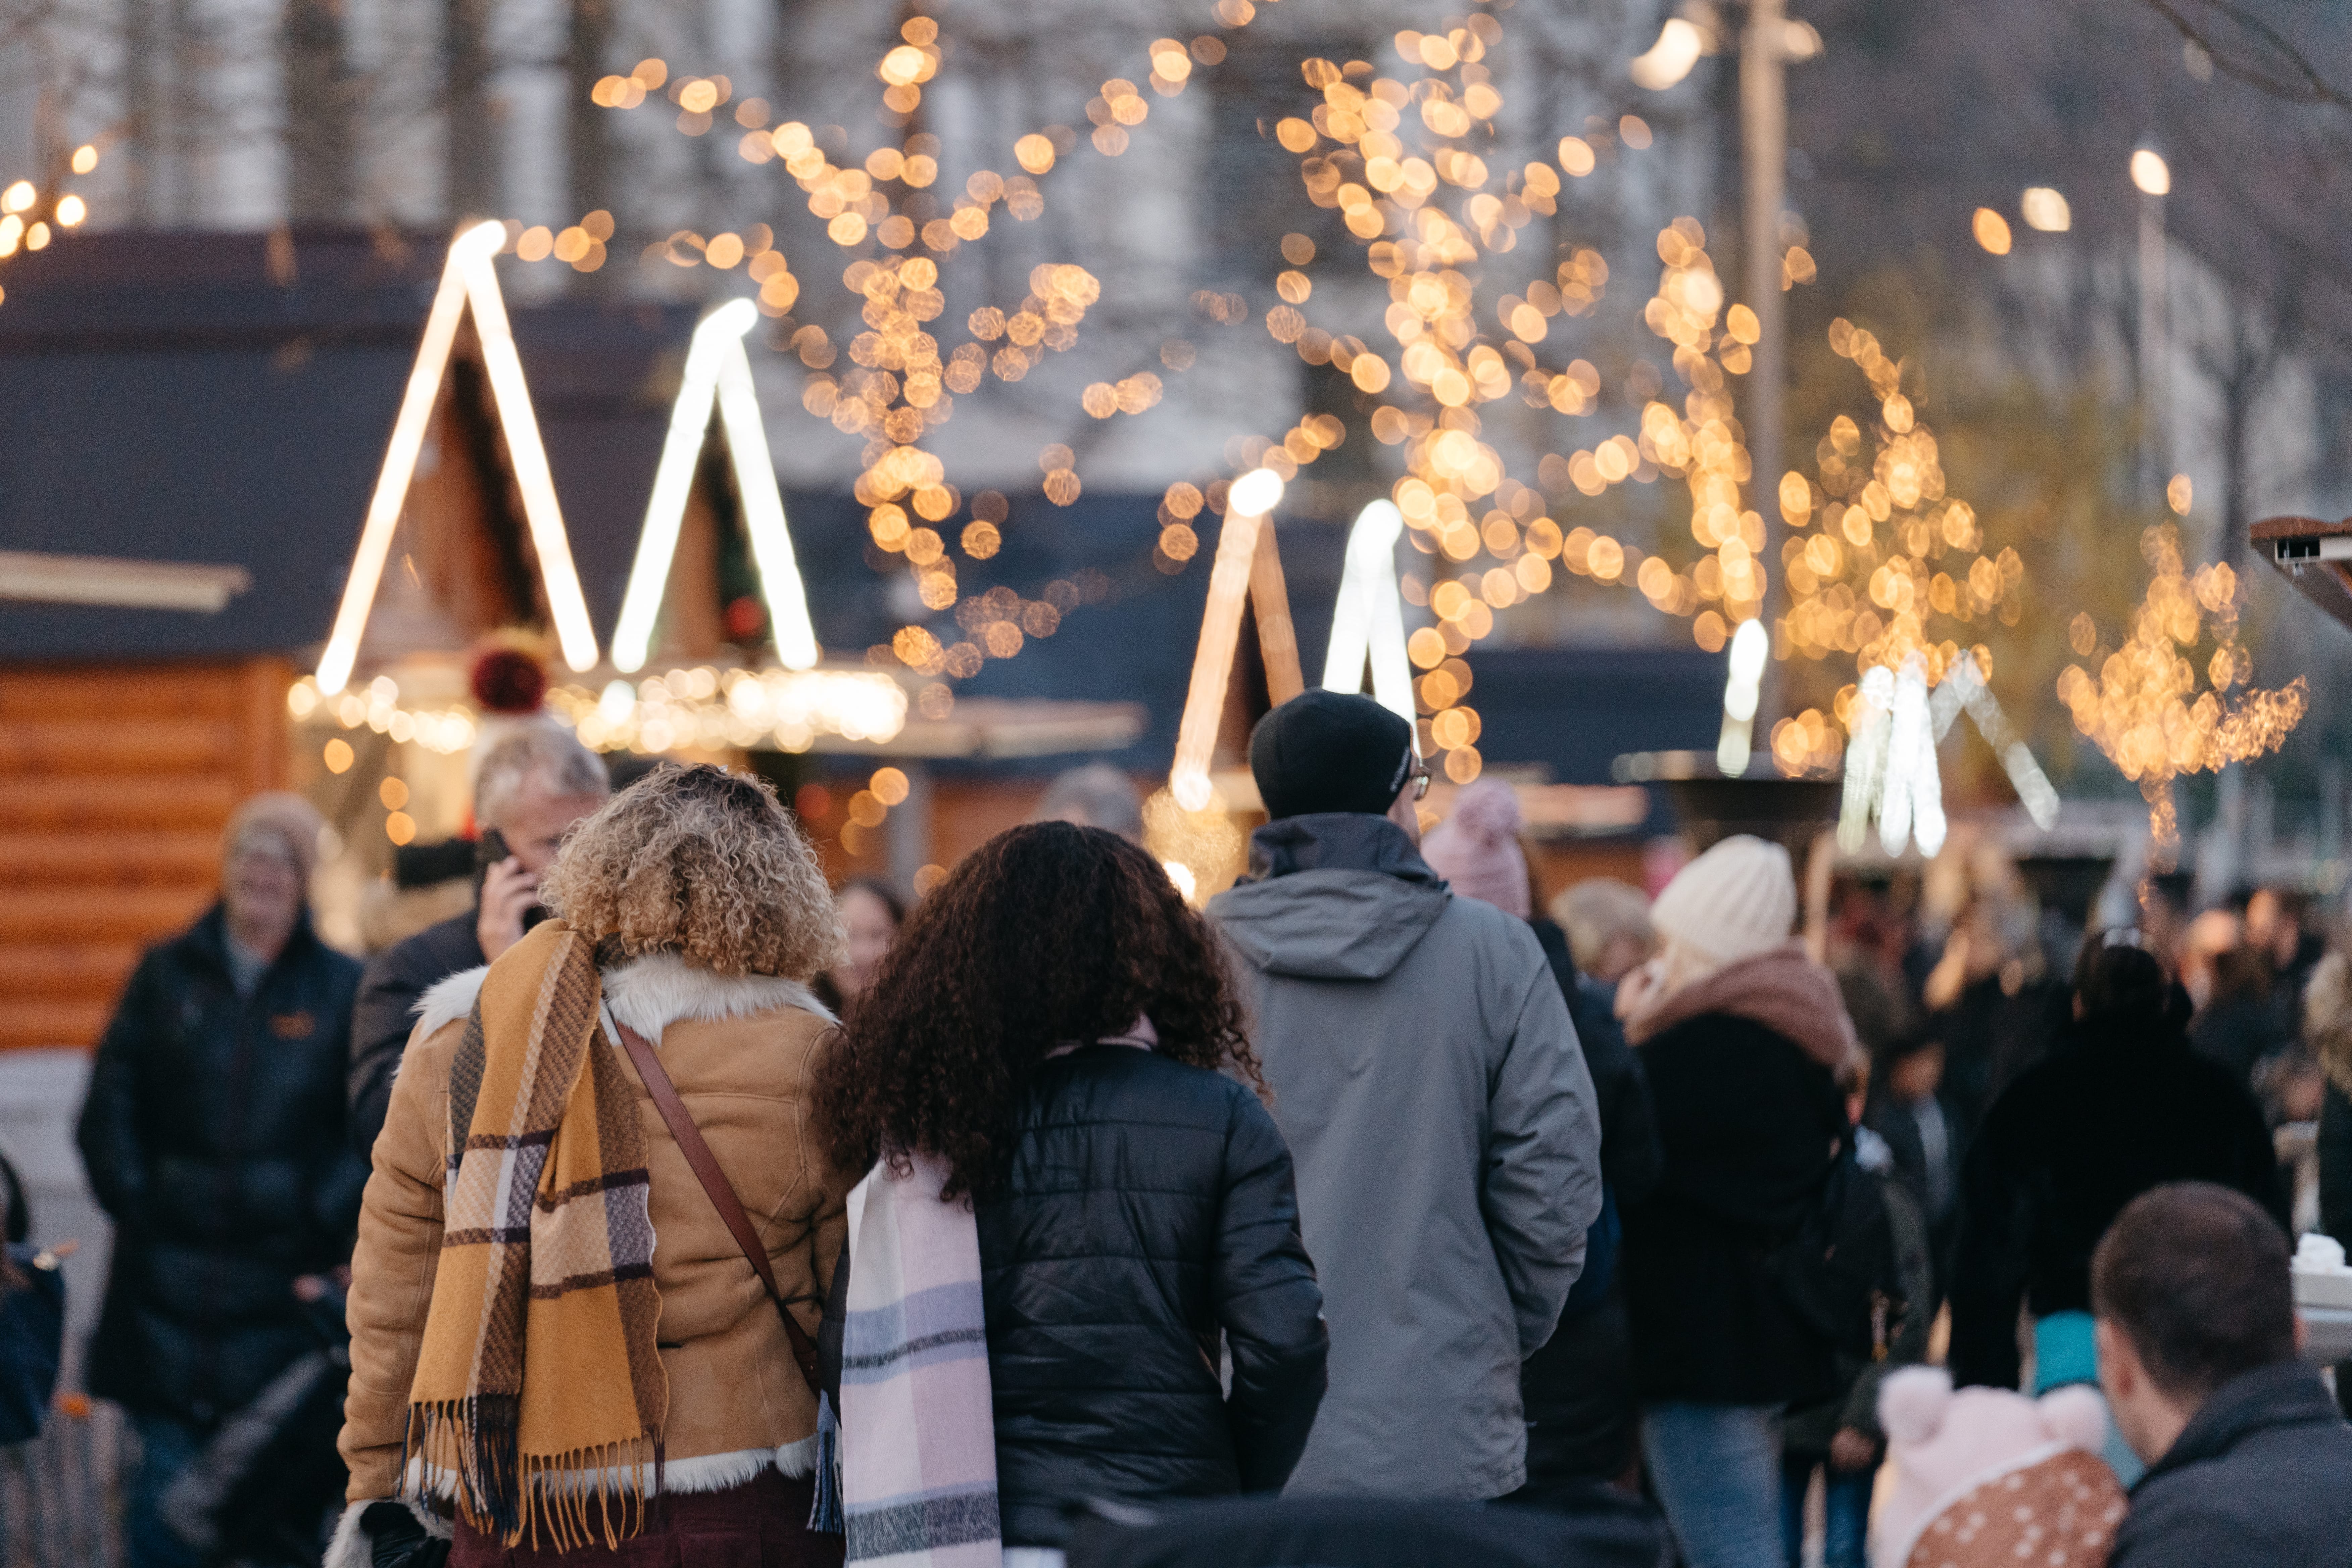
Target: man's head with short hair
534	781
1330	752
2118	981
2192	1289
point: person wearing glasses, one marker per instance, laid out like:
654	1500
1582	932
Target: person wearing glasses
1439	1112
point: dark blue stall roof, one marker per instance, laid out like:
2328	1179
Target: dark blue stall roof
167	397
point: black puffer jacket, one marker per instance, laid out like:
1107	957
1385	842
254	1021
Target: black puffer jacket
1148	1205
2115	1109
215	1137
395	981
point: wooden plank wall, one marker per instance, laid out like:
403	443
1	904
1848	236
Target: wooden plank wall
115	781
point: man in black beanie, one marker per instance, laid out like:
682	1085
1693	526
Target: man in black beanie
1439	1112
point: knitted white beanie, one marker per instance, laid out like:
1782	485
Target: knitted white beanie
1737	900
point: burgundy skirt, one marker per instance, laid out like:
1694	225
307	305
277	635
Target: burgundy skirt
764	1523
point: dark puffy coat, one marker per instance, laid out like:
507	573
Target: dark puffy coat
215	1137
2237	1032
1629	1156
1578	1389
2112	1112
2262	1476
1991	1036
1749	1123
395	980
1148	1205
2336	1166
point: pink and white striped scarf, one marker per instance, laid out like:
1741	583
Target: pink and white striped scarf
917	1429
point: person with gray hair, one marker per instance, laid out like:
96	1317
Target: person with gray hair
1608	927
1095	794
531	785
213	1138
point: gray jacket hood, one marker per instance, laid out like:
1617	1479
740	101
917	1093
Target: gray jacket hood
1331	896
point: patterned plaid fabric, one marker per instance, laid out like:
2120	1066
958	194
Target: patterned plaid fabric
538	1364
917	1426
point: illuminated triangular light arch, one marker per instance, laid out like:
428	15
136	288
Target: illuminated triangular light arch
1368	620
468	281
1249	568
717	371
1891	771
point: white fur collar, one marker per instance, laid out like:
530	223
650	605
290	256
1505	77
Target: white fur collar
646	994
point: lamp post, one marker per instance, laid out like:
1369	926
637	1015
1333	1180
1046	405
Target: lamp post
2154	179
1764	159
1767	43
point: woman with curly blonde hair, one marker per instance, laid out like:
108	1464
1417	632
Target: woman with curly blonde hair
558	1346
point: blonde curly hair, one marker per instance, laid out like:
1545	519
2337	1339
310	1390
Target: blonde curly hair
703	863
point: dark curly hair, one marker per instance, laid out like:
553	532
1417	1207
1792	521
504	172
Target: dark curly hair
1046	934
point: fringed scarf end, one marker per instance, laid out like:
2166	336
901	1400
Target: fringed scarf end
601	1492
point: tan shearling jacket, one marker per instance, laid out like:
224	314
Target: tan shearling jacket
741	1050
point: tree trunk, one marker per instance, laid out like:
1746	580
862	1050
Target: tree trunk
470	162
144	75
588	144
318	145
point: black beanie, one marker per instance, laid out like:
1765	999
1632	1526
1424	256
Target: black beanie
1325	751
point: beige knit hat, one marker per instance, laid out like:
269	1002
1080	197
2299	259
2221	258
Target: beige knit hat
1737	900
280	818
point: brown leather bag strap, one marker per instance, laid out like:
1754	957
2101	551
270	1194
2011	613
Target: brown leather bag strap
723	1194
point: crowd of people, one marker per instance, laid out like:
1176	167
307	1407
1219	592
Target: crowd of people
672	1206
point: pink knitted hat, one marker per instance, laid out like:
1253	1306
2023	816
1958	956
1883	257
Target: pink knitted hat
1478	848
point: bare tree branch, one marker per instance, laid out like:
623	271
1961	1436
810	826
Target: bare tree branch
2295	80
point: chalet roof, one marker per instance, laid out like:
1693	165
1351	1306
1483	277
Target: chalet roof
175	397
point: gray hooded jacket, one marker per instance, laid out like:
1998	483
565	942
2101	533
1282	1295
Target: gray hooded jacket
1447	1145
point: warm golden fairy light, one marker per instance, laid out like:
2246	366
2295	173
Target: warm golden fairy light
2046	210
2144	707
1880	566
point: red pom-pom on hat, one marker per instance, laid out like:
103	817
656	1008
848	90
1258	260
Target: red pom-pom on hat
507	680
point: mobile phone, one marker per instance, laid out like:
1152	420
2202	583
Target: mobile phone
489	850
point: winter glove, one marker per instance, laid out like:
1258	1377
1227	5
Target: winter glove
397	1539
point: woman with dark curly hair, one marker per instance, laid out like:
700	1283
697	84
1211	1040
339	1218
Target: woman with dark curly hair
556	1336
1046	1041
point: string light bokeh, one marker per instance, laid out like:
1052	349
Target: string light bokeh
2146	707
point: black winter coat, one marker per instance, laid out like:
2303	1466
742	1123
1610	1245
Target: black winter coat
2237	1032
1629	1156
2109	1114
215	1138
2259	1478
1578	1391
396	979
1749	1124
1148	1205
2336	1166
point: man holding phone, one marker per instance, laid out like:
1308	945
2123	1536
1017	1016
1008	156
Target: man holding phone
534	784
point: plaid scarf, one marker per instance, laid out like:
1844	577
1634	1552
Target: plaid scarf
917	1425
546	1262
